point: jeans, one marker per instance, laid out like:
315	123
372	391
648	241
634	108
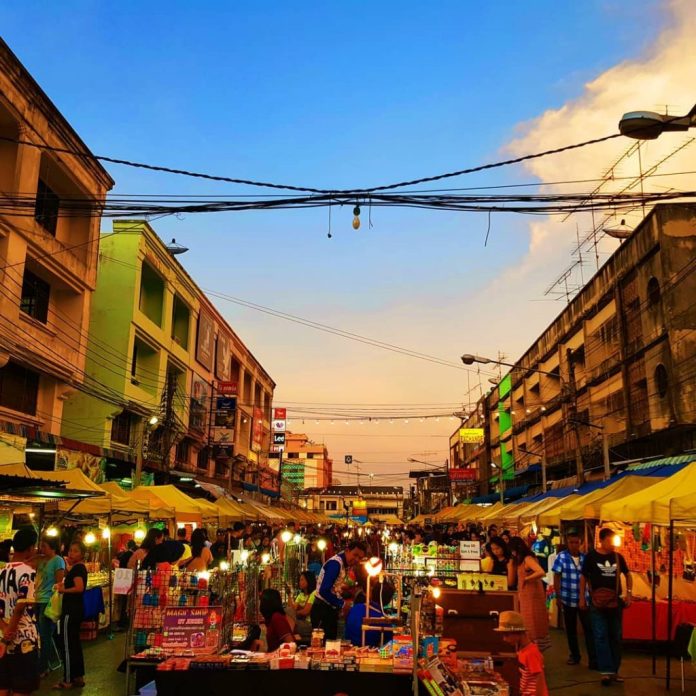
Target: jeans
607	632
571	615
47	629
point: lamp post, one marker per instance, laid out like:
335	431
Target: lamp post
649	125
501	481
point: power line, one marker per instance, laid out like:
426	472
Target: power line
308	189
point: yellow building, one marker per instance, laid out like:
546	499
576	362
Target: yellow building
160	347
48	259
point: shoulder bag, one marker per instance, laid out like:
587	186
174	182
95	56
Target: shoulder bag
604	598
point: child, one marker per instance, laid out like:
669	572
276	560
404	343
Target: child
532	678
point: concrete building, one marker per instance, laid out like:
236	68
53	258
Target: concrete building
162	349
619	363
360	502
306	464
48	258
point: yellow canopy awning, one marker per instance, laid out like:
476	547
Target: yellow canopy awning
653	503
187	509
588	507
535	510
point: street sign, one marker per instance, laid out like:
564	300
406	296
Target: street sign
277	448
227	388
278	426
278	438
348	459
280	414
473	436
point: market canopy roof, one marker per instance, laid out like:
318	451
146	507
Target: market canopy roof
652	504
588	507
187	509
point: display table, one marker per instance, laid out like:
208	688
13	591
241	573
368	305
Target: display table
637	619
275	682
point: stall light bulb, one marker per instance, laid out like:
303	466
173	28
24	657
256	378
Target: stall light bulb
393	547
297	538
106	533
436	592
285	536
616	541
90	538
321	544
52	532
431	572
373	566
266	558
205	575
139	534
224	565
244	556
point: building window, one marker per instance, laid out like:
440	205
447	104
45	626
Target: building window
310	455
661	380
331	505
47	207
121	428
293	455
35	294
182	451
653	291
203	458
19	388
151	300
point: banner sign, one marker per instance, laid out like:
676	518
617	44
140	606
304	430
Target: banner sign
463	474
92	467
257	430
470	550
223	363
227	388
204	341
280	414
191	628
472	436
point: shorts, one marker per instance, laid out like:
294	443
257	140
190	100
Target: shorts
19	672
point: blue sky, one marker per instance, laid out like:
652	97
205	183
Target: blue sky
328	94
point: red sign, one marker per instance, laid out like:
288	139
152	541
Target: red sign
280	413
227	388
194	629
257	430
463	474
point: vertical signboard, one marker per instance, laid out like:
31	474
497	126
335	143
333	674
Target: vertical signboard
257	430
205	342
222	357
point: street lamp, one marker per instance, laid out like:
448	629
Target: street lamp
649	125
502	482
469	359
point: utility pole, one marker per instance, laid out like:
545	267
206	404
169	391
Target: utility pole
573	408
543	472
605	453
169	418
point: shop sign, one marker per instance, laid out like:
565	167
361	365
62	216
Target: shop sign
227	388
278	426
463	474
471	436
280	414
277	448
222	451
470	550
278	438
191	628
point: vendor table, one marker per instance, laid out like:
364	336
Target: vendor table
288	681
637	619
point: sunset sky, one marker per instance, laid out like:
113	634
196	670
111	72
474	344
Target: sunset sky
354	95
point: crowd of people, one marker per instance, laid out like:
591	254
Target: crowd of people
331	590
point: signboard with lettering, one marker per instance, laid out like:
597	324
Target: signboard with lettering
195	629
278	438
278	426
463	474
280	414
227	388
223	361
473	436
470	550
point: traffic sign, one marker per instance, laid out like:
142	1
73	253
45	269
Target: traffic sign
348	459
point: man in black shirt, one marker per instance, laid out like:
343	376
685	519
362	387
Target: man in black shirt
599	575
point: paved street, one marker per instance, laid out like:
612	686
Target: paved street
103	657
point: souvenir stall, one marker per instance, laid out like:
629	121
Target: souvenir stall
416	655
659	550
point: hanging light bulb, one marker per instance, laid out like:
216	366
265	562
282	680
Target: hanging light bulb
52	532
106	533
356	218
90	538
224	565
